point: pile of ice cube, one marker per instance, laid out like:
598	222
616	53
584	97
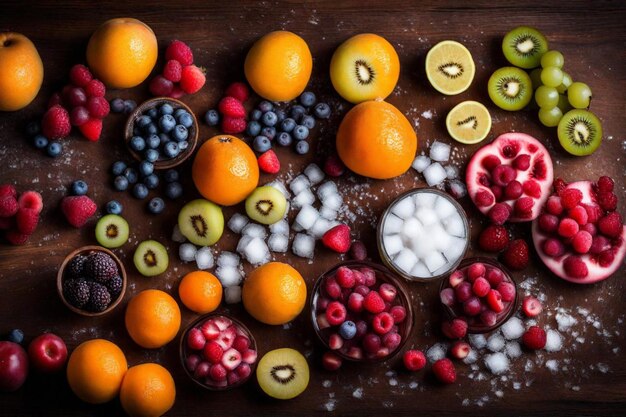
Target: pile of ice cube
436	172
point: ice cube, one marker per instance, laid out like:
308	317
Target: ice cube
281	227
421	247
243	242
457	189
471	358
204	258
314	173
496	342
237	222
392	244
404	208
228	259
327	188
420	163
187	252
229	276
232	295
328	213
513	328
256	252
452	172
306	217
513	350
332	201
436	352
497	363
393	224
444	208
455	250
304	198
440	238
454	225
434	174
554	341
254	230
177	236
434	261
420	271
426	216
296	227
425	199
413	229
299	184
278	243
439	151
405	260
478	341
320	227
303	246
280	187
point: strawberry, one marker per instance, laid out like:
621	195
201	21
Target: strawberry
180	52
516	255
333	167
31	199
338	238
534	338
231	107
192	79
444	371
8	206
493	238
8	189
172	70
268	162
16	238
26	220
373	302
238	90
98	107
213	352
161	86
80	75
414	360
56	123
531	306
78	209
232	125
95	88
91	129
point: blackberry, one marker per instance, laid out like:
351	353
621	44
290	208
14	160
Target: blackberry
115	286
99	298
76	267
76	292
100	267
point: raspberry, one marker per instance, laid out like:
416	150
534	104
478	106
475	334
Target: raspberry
605	184
16	238
8	206
484	198
56	123
238	90
32	200
606	258
524	206
593	212
100	267
516	255
575	267
534	338
99	297
268	162
444	371
335	313
172	70
95	88
161	86
568	227
345	277
333	167
398	313
91	129
358	251
332	288
414	360
232	125
373	303
454	329
570	197
493	238
531	306
8	189
548	222
78	209
532	188
26	220
579	214
80	75
611	224
98	107
231	107
607	200
499	213
338	238
522	162
180	52
582	241
213	352
490	162
192	79
76	267
554	205
76	292
382	323
114	286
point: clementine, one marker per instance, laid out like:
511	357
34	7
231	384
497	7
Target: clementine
200	291
148	390
152	318
21	71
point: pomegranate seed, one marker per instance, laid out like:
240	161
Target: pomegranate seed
568	227
510	150
548	222
495	277
513	190
605	184
472	306
553	247
559	185
456	278
554	205
522	162
575	267
494	300
414	360
488	318
447	297
507	291
335	342
484	180
460	350
570	197
599	244
499	213
476	270
531	306
463	291
579	214
497	192
532	188
490	162
481	287
582	241
502	175
484	198
330	361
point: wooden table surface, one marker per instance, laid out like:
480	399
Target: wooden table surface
587	377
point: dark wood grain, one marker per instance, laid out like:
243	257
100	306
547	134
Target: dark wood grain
591	35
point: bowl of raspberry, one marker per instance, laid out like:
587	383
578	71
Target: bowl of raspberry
361	311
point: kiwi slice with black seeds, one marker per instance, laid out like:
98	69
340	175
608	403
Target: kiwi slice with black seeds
524	46
151	258
580	132
112	231
266	205
510	88
283	373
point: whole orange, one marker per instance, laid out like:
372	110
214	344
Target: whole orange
152	318
148	390
122	52
376	140
95	371
278	66
225	170
200	291
274	293
21	71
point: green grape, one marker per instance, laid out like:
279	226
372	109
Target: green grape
564	104
552	76
550	117
535	78
567	81
546	97
579	95
552	59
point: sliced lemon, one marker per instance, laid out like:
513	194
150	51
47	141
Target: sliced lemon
450	67
469	122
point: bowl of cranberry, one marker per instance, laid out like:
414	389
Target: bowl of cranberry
361	311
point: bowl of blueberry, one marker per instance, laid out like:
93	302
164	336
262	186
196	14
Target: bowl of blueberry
162	131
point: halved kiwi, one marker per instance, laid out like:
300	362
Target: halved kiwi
580	132
201	221
450	67
524	46
469	122
510	88
112	231
151	258
283	373
266	205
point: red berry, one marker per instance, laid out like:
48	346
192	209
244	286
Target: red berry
8	189
515	255
95	88
180	52
79	116
244	369
559	185
333	167
476	270
593	212
192	79
488	318
176	92
391	340
75	96
499	213
213	352
201	370
553	247
210	330
444	371
534	338
531	306
91	129
570	197
522	162
56	123
494	276
330	361
371	342
26	220
382	323
568	227
335	342
98	107
32	200
481	287
218	373
373	302
358	251
607	200
507	291
605	184
454	329
554	206
447	297
532	188
493	238
460	350
388	292
231	107
336	313
345	277
268	162
241	343
575	267
398	313
414	360
369	276
337	238
494	301
524	206
484	198
463	291
581	242
502	175
472	306
456	278
192	362
161	86
489	162
548	222
332	288
8	206
172	70
238	90
78	209
232	125
195	339
355	302
579	214
513	190
80	75
497	191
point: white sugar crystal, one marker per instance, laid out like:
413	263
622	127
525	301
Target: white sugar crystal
320	227
477	340
303	246
565	321
420	163
204	258
497	363
452	172
439	236
306	217
243	242
439	151
254	230
228	259
392	244
404	208
513	328
393	224
425	199
299	184
496	342
413	229
513	350
444	208
554	341
314	173
332	201
458	189
304	198
420	270
237	222
405	260
326	189
281	227
434	261
228	275
434	174
455	249
328	213
426	216
471	358
278	243
256	252
436	352
177	236
552	365
232	295
280	187
454	225
187	252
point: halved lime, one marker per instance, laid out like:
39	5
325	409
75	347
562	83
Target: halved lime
450	67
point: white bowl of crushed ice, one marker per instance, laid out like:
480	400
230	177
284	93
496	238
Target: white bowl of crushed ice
423	234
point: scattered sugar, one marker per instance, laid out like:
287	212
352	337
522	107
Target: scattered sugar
327	383
428	114
358	393
552	365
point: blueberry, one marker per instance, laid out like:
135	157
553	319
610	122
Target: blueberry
280	114
153	141
143	121
268	132
171	175
118	168
178	112
256	114
153	113
269	118
171	149
322	111
16	336
265	106
347	330
173	190
151	129
253	129
261	144
166	108
212	118
114	207
287	125
185	119
79	187
137	143
129	106
120	183
151	155
151	181
308	121
283	139
140	191
164	137
300	132
183	145
40	141
137	131
54	149
302	147
297	112
180	133
146	168
32	128
156	205
307	99
131	175
167	123
117	105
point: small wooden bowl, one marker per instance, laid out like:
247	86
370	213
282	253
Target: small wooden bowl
85	250
157	102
